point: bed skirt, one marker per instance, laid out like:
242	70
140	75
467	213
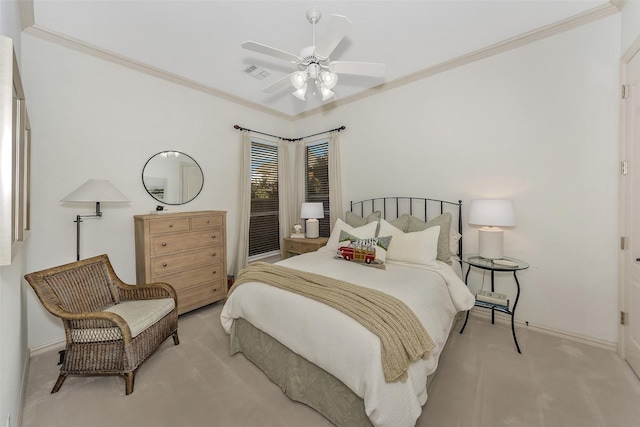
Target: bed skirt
301	380
298	378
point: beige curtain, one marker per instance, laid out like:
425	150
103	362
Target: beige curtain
335	181
244	205
285	195
298	181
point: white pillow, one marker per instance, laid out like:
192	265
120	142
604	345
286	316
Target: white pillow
419	247
364	232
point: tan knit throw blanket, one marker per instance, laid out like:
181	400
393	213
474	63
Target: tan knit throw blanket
402	336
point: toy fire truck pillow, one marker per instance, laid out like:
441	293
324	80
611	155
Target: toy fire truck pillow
371	251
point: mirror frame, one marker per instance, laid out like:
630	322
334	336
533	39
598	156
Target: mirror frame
162	200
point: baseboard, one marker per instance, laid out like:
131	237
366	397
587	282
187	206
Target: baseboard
505	319
54	345
23	387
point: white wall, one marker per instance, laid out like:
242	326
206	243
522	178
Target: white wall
95	119
537	124
13	306
630	19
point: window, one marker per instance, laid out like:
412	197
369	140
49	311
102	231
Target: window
264	232
317	182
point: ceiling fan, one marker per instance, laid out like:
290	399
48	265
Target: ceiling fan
313	61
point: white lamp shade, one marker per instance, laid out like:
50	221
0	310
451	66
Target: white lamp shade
312	210
492	212
96	190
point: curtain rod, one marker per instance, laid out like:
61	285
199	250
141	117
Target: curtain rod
341	128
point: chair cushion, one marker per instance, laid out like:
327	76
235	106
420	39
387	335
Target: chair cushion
139	315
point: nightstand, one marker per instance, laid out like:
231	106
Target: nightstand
297	246
493	267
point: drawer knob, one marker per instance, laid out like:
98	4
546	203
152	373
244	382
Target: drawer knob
215	289
164	243
213	236
215	271
164	264
214	254
170	225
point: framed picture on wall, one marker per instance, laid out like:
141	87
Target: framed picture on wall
15	156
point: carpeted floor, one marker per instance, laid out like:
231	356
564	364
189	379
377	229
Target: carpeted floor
481	382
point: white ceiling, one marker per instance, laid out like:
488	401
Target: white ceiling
199	41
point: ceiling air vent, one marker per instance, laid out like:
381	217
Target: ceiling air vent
256	72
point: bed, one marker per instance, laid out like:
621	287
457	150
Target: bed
326	359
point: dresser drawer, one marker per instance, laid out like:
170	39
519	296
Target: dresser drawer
169	225
197	296
168	243
206	221
170	264
197	276
308	248
293	246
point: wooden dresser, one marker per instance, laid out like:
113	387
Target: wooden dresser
186	250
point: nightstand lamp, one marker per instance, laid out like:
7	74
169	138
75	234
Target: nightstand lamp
491	214
312	212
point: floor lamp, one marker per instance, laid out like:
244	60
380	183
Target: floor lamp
93	191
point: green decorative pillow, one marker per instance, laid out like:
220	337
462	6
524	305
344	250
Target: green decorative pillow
371	251
401	223
356	220
444	222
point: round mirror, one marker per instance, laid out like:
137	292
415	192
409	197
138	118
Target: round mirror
172	177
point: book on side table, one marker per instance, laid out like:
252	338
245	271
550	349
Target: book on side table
494	298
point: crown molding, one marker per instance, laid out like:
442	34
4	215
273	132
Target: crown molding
29	26
27	16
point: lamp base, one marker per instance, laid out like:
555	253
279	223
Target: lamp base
490	242
312	228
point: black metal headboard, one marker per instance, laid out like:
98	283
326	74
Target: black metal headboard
420	207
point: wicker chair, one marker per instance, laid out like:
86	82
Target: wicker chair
110	327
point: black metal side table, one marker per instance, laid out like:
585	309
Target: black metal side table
493	267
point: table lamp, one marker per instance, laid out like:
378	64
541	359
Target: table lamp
491	214
312	212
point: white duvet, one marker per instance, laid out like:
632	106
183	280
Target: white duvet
344	348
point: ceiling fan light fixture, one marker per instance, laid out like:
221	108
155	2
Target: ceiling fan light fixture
299	80
326	93
300	92
313	61
329	79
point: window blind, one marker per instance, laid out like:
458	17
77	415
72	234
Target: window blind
264	233
317	180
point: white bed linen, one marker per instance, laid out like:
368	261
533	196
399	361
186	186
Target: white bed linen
344	348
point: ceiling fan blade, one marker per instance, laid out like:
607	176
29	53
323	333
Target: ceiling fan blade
279	84
373	69
272	51
338	28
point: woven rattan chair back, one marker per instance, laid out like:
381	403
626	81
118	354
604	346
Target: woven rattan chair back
99	342
78	289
